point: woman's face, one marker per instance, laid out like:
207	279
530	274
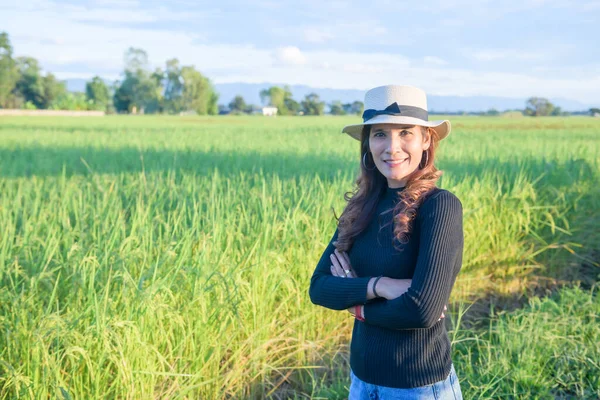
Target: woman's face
397	150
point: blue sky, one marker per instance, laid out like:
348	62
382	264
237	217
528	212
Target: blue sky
451	47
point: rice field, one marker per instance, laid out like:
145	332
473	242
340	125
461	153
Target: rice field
169	257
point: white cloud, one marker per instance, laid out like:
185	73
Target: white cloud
361	31
452	23
74	48
317	35
118	3
434	80
503	54
433	60
290	55
103	11
362	68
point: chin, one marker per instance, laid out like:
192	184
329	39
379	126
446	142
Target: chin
396	177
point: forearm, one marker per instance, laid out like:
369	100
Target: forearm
404	312
386	287
338	293
438	263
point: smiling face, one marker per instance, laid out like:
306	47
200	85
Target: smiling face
397	150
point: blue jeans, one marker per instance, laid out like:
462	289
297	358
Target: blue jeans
448	389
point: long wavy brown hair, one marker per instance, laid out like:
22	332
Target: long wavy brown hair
371	185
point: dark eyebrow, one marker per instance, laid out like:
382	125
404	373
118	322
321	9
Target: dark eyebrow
385	131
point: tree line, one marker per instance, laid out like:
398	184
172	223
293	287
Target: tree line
173	90
281	98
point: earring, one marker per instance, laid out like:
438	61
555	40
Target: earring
365	164
426	156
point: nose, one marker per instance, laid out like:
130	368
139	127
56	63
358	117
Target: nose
394	144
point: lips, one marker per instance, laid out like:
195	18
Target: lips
394	163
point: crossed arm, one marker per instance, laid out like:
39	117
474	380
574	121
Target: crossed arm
417	305
387	288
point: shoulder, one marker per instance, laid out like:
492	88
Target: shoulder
440	201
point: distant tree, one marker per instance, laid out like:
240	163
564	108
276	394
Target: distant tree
173	87
311	105
123	96
222	109
32	88
136	60
98	94
492	112
280	98
186	89
133	93
30	85
29	106
251	109
158	79
238	104
356	107
9	73
538	106
198	92
140	90
292	106
337	108
594	111
72	101
53	89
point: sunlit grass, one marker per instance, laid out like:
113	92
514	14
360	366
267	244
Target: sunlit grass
163	257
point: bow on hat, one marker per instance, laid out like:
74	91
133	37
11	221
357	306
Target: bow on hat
394	109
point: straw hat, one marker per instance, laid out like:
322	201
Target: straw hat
396	104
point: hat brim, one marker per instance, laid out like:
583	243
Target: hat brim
442	127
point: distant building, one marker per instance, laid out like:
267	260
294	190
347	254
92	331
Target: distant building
269	111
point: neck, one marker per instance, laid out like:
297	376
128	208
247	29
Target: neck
396	184
393	191
396	188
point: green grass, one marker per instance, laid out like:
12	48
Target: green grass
165	257
548	349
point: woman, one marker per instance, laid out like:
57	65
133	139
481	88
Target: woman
395	254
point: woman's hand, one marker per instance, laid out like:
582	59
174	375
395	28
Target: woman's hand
390	288
340	265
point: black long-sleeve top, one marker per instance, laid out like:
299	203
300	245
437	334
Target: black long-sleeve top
402	343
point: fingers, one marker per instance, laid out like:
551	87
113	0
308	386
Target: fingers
344	255
336	267
344	259
443	314
341	265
